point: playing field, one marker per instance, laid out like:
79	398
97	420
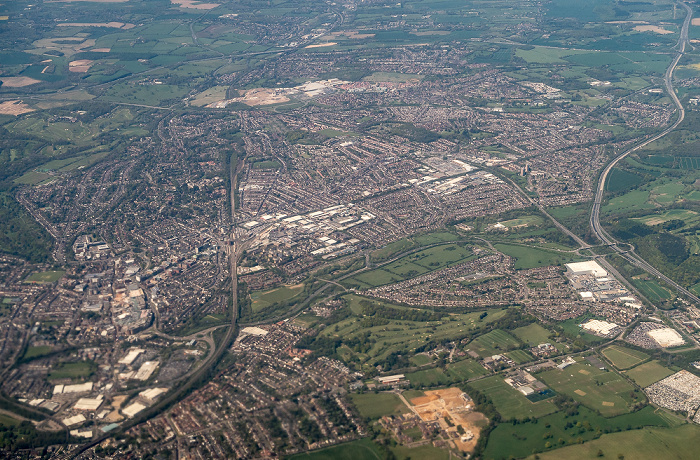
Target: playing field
455	373
511	403
377	405
493	343
606	392
648	373
532	334
45	277
624	358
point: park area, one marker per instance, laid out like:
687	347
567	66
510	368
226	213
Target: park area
492	343
624	358
509	402
263	299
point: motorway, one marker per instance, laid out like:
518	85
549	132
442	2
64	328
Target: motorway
596	227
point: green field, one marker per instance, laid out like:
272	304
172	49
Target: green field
624	358
648	373
645	444
652	290
263	299
73	371
517	441
377	405
493	343
413	264
603	391
524	221
364	449
45	277
520	356
667	193
528	257
34	352
532	334
656	219
455	373
630	201
509	402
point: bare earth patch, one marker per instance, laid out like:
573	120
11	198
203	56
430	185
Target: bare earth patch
194	4
114	25
102	50
14	108
657	29
609	404
580	392
696	21
351	34
80	66
17	82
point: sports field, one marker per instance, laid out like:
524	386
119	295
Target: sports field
624	358
509	402
603	391
529	257
45	277
532	334
648	373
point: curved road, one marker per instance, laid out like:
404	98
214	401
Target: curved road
597	228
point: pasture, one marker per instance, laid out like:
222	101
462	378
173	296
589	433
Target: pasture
552	431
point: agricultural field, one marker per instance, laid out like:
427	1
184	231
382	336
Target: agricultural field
376	405
659	218
364	449
644	444
263	299
509	402
652	290
624	358
648	373
529	257
603	391
630	201
552	431
493	343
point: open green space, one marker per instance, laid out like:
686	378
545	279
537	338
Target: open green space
529	257
6	420
453	373
263	299
376	405
652	290
363	449
367	344
412	265
648	373
493	343
623	357
45	277
74	371
630	201
35	352
523	221
659	218
520	356
602	391
667	193
509	402
560	429
532	334
620	179
426	452
644	444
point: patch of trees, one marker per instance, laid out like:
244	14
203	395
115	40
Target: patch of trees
382	311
